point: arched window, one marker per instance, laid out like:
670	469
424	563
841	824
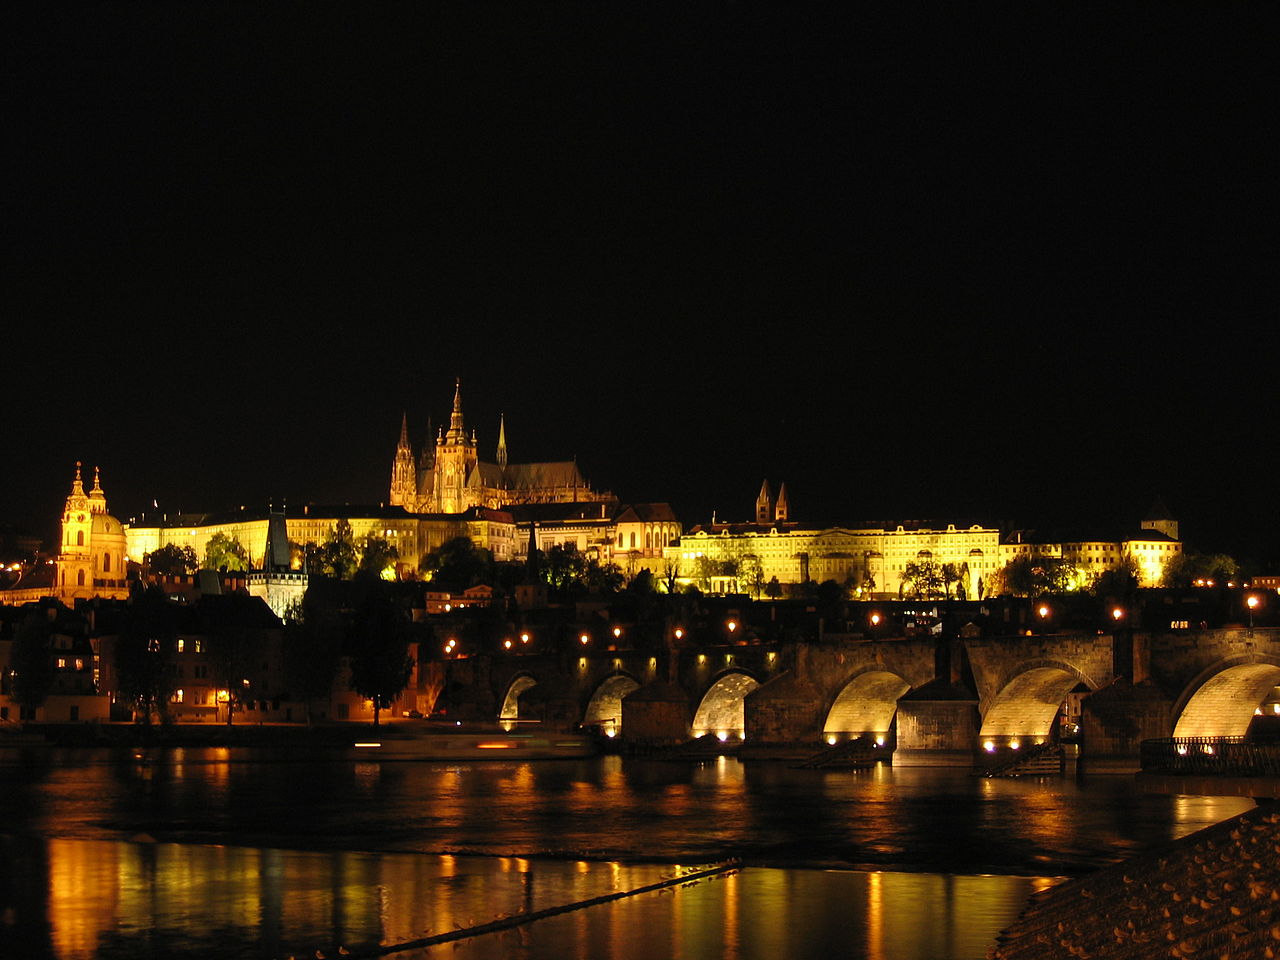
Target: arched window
106	563
80	578
79	538
633	541
648	541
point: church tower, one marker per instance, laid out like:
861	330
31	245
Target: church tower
455	457
782	508
764	504
502	442
75	562
404	484
1160	519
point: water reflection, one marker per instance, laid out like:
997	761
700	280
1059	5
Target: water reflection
81	899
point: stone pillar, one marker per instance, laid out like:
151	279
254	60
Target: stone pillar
786	710
1116	719
938	725
658	713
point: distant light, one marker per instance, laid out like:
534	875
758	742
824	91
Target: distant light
732	625
584	639
722	736
1117	613
880	740
679	632
524	638
875	619
989	746
507	644
1043	611
1015	744
617	632
831	740
1253	602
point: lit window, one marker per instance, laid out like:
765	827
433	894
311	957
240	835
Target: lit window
181	645
62	663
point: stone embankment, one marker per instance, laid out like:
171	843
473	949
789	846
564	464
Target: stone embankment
1212	894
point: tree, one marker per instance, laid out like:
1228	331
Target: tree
950	575
671	575
773	589
31	664
924	577
1120	582
751	575
225	553
312	650
144	653
1185	569
377	556
337	555
643	583
458	564
171	560
380	661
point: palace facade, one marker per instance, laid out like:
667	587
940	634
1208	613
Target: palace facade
448	475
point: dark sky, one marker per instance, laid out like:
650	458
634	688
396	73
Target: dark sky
1001	264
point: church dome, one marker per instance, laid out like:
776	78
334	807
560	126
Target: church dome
104	524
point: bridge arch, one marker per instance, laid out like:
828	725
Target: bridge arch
721	711
605	707
865	704
1221	700
1027	700
511	702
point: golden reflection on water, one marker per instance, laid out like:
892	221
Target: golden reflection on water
113	899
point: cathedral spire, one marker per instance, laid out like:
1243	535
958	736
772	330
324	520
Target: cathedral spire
502	441
404	429
782	507
456	429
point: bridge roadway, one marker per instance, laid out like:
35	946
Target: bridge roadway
935	701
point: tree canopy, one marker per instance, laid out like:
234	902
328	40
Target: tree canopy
225	553
172	559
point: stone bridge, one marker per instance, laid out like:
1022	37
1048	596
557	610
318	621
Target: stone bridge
933	700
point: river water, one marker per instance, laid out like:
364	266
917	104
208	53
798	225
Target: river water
247	854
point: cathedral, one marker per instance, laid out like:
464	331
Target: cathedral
450	477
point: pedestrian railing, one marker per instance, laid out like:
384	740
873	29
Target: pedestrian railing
1221	756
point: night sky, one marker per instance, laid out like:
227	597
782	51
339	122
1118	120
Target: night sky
1001	264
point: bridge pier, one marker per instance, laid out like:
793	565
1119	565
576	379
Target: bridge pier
937	726
786	710
1116	719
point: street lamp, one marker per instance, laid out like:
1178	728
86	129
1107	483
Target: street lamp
875	619
1252	603
1117	614
732	625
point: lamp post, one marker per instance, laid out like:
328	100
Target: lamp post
1251	602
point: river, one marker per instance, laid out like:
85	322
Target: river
232	853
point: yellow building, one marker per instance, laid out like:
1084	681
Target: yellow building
869	557
412	535
91	553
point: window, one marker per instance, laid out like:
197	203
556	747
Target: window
106	563
178	695
80	578
62	663
79	538
79	663
181	645
198	645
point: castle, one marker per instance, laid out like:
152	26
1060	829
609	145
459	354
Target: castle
450	477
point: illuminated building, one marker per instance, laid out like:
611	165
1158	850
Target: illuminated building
449	477
91	552
870	557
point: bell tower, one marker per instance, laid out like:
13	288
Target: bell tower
75	560
764	504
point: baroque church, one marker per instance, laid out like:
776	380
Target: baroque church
448	476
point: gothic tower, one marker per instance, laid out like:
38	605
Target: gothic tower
404	483
455	457
502	442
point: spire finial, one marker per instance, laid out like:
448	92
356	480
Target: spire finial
404	428
502	441
456	432
77	486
